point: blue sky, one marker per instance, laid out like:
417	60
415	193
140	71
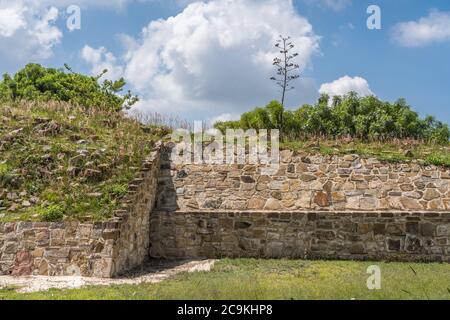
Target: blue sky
421	75
212	61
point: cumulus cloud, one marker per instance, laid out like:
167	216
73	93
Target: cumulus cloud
345	85
433	28
115	4
101	59
336	5
28	28
216	57
224	117
11	19
27	32
45	34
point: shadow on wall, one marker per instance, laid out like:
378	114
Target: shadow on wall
166	198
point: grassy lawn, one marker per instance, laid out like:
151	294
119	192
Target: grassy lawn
276	279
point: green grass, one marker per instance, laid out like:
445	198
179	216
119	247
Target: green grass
276	279
439	159
390	151
67	162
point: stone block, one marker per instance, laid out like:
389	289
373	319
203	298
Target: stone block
307	177
427	229
443	230
321	199
357	248
274	249
272	204
413	245
431	194
394	245
410	204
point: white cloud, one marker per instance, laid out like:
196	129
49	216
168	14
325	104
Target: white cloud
27	32
346	84
336	5
101	59
433	28
114	4
224	117
11	19
45	34
216	57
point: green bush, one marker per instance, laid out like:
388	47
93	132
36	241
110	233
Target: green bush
438	160
36	83
51	213
117	190
3	169
5	175
366	118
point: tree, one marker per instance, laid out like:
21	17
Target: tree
285	69
366	118
35	82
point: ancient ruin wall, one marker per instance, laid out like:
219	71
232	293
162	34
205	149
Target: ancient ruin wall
337	207
305	182
100	249
392	236
313	207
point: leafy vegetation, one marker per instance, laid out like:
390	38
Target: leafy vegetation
36	83
393	151
439	159
350	116
276	279
51	213
60	161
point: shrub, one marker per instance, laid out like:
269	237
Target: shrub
3	169
36	83
117	190
51	213
438	160
366	118
5	176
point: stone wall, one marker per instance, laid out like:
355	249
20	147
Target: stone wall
101	249
305	182
314	206
134	219
59	248
399	236
340	207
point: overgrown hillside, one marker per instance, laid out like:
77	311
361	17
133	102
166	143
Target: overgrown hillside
58	161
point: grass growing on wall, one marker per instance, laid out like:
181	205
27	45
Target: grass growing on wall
276	279
59	161
393	151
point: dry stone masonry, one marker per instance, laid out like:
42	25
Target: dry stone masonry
332	207
100	249
306	182
392	236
